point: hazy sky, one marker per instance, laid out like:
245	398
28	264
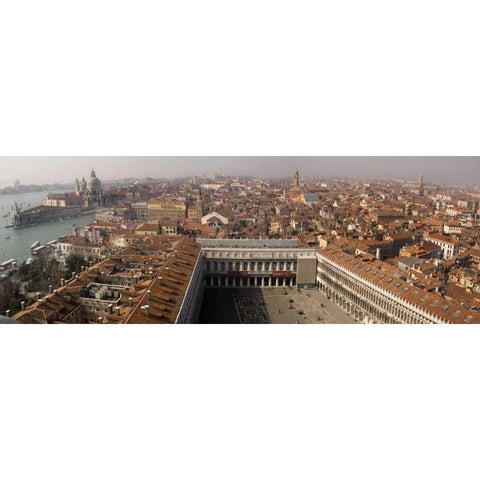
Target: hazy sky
464	170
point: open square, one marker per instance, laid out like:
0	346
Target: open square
276	305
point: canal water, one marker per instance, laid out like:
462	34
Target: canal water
18	245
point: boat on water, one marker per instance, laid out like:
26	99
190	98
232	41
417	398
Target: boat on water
12	263
34	245
29	261
38	250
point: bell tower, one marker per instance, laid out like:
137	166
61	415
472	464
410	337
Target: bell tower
199	205
296	179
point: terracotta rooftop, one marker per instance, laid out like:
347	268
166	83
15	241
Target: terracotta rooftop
171	257
162	297
443	238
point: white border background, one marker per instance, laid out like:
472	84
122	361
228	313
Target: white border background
239	78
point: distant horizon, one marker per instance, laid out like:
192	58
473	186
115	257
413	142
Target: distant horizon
49	170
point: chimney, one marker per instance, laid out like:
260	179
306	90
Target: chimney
117	311
146	309
62	282
23	305
110	308
7	313
149	293
130	301
38	295
160	280
50	289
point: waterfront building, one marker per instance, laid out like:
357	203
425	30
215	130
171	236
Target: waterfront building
87	195
91	191
41	214
63	200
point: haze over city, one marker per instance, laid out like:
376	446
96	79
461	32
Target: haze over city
463	170
182	248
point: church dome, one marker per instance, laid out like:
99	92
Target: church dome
93	182
83	184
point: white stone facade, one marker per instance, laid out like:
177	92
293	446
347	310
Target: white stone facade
365	301
252	267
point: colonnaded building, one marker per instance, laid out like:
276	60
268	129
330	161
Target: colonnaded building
161	279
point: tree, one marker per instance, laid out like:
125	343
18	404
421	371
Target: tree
74	263
10	296
41	273
23	272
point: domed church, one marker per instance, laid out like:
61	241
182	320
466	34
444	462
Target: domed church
91	191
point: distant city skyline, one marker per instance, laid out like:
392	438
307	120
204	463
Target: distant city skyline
462	170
